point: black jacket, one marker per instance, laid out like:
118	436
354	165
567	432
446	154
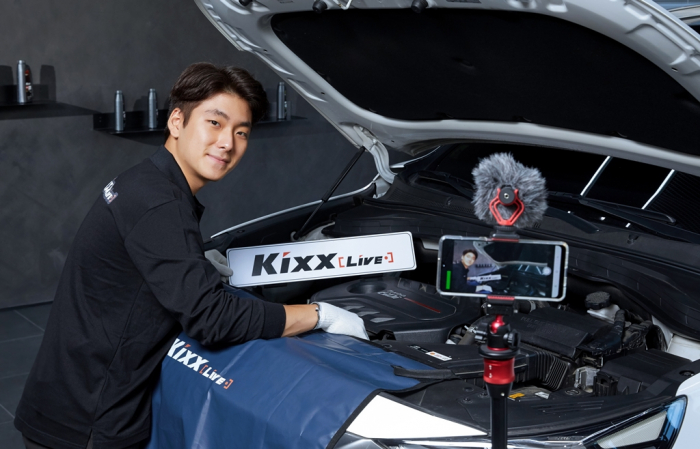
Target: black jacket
459	280
135	277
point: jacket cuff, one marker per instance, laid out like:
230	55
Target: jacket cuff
275	320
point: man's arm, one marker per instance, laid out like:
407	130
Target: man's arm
300	318
166	247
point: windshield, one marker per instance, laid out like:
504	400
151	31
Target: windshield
673	4
687	11
593	177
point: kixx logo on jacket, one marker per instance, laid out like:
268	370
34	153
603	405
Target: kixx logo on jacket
180	353
294	264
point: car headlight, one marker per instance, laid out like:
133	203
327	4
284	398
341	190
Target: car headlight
655	428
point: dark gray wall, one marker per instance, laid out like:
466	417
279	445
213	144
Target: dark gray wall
53	169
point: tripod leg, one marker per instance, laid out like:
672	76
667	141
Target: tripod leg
499	415
499	374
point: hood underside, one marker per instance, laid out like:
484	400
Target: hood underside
495	66
619	78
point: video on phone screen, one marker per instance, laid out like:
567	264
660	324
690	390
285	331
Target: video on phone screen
502	268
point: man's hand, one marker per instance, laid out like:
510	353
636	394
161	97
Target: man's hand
332	319
335	320
220	263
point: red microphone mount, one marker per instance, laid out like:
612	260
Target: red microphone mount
507	196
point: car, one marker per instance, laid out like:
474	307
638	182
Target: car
602	96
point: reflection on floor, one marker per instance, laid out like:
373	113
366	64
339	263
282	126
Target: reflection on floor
21	331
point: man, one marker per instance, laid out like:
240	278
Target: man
461	282
136	276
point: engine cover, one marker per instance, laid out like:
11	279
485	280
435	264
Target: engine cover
408	310
558	331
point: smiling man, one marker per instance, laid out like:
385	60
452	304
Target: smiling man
136	276
460	281
222	122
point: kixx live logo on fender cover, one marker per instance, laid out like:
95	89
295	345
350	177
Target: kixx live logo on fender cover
180	352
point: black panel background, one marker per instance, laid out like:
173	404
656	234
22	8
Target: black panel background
53	168
493	65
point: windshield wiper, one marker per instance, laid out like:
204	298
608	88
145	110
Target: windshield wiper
445	178
613	208
575	221
657	222
456	183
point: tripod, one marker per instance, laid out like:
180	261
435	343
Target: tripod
500	343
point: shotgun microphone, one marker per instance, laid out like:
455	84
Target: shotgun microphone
500	181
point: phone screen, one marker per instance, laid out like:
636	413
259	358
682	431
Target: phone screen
524	269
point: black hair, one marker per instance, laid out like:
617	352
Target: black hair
202	80
464	253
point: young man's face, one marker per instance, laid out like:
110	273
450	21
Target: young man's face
213	141
468	260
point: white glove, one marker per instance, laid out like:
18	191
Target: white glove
220	263
335	320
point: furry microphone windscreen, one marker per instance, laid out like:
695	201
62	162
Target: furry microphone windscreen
500	170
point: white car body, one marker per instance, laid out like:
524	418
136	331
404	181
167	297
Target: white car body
640	25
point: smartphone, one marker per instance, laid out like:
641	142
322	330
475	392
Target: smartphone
480	266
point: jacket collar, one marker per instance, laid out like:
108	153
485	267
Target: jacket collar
168	166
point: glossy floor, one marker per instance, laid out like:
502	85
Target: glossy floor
21	331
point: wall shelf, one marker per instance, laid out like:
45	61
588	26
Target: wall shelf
40	107
135	122
136	125
40	110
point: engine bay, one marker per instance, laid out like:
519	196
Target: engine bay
599	354
585	347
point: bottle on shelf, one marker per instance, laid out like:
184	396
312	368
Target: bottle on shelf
25	90
152	109
119	113
281	101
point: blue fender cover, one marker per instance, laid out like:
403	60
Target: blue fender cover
283	393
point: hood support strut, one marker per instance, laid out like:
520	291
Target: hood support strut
328	194
378	151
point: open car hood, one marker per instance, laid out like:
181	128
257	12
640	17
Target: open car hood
613	77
